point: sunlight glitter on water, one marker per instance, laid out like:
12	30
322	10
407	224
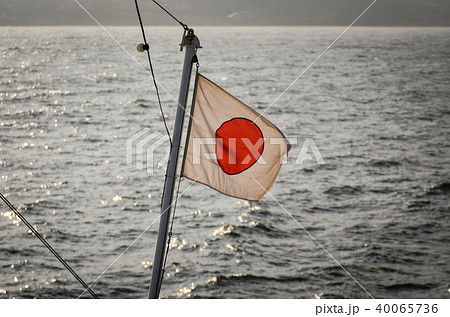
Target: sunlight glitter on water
176	243
147	264
186	291
11	216
231	247
117	198
361	113
223	230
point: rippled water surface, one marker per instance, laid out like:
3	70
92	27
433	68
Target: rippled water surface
376	105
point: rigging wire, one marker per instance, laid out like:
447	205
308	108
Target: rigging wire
171	15
147	48
47	245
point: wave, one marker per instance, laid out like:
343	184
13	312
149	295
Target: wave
409	286
254	227
343	190
240	278
443	188
384	163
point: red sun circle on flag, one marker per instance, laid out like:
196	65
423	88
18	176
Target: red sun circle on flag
239	144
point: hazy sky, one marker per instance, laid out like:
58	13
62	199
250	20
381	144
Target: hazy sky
228	12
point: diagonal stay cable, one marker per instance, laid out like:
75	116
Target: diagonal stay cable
171	15
162	212
314	239
126	51
307	68
48	246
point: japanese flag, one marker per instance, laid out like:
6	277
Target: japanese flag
229	146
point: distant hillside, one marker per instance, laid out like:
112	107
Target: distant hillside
229	12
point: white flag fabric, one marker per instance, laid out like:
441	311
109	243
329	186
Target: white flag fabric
230	147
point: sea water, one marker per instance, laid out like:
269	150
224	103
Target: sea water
372	220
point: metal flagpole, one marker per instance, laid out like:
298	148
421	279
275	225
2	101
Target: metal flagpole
190	43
